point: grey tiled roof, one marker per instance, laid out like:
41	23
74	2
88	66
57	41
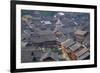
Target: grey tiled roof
68	43
44	36
84	56
80	32
81	52
52	55
75	46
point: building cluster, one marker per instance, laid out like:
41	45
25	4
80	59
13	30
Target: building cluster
41	36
